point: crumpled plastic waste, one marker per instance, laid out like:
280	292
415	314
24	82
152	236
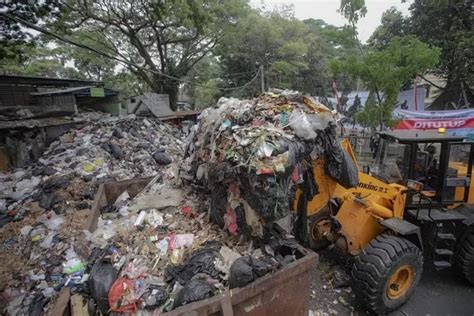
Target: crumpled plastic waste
225	260
125	295
155	296
195	290
252	155
246	269
102	276
180	241
201	261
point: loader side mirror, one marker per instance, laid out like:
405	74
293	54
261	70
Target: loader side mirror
366	169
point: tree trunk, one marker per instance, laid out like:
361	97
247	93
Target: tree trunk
169	87
172	89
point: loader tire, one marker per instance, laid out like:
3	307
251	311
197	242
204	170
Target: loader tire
464	262
386	273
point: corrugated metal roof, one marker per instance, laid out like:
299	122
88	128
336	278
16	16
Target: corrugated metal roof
71	90
62	91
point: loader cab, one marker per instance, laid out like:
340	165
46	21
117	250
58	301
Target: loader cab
441	163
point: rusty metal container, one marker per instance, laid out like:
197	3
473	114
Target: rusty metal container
283	293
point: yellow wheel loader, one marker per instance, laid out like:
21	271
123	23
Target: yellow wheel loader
412	206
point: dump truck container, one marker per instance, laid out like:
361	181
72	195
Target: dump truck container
281	293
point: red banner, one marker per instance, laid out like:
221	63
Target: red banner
451	123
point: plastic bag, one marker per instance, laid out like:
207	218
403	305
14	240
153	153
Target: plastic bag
300	123
200	262
226	258
245	270
101	278
124	295
346	172
194	291
155	296
55	222
48	241
181	241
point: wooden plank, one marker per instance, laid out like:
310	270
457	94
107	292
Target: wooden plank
62	302
100	200
78	306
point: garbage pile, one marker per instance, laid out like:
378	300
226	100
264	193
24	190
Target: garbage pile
44	207
109	148
160	246
152	250
165	253
252	155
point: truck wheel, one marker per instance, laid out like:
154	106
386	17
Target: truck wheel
464	263
318	226
387	271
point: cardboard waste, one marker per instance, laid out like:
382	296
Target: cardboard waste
164	246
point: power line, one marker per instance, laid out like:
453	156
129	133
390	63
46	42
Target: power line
126	62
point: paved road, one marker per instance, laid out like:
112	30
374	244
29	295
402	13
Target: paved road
439	293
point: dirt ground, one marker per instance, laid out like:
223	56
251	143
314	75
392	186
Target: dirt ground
439	293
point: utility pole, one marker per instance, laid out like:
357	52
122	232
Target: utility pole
262	79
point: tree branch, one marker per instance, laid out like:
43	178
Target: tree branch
430	82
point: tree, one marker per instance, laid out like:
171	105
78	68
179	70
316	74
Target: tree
157	40
335	42
41	61
385	72
293	53
13	36
353	10
206	78
90	65
127	83
448	25
393	24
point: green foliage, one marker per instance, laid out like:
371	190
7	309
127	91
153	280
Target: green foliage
353	10
41	61
167	37
90	65
394	24
207	78
439	23
127	83
448	25
384	72
294	53
13	36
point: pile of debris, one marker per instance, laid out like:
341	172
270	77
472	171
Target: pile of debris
253	155
108	148
162	246
48	203
162	253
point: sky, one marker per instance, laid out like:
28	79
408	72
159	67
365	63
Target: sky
327	11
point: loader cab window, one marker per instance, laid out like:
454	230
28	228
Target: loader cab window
458	173
426	166
392	162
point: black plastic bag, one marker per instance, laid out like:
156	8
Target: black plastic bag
349	174
102	276
245	270
194	291
157	299
200	262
